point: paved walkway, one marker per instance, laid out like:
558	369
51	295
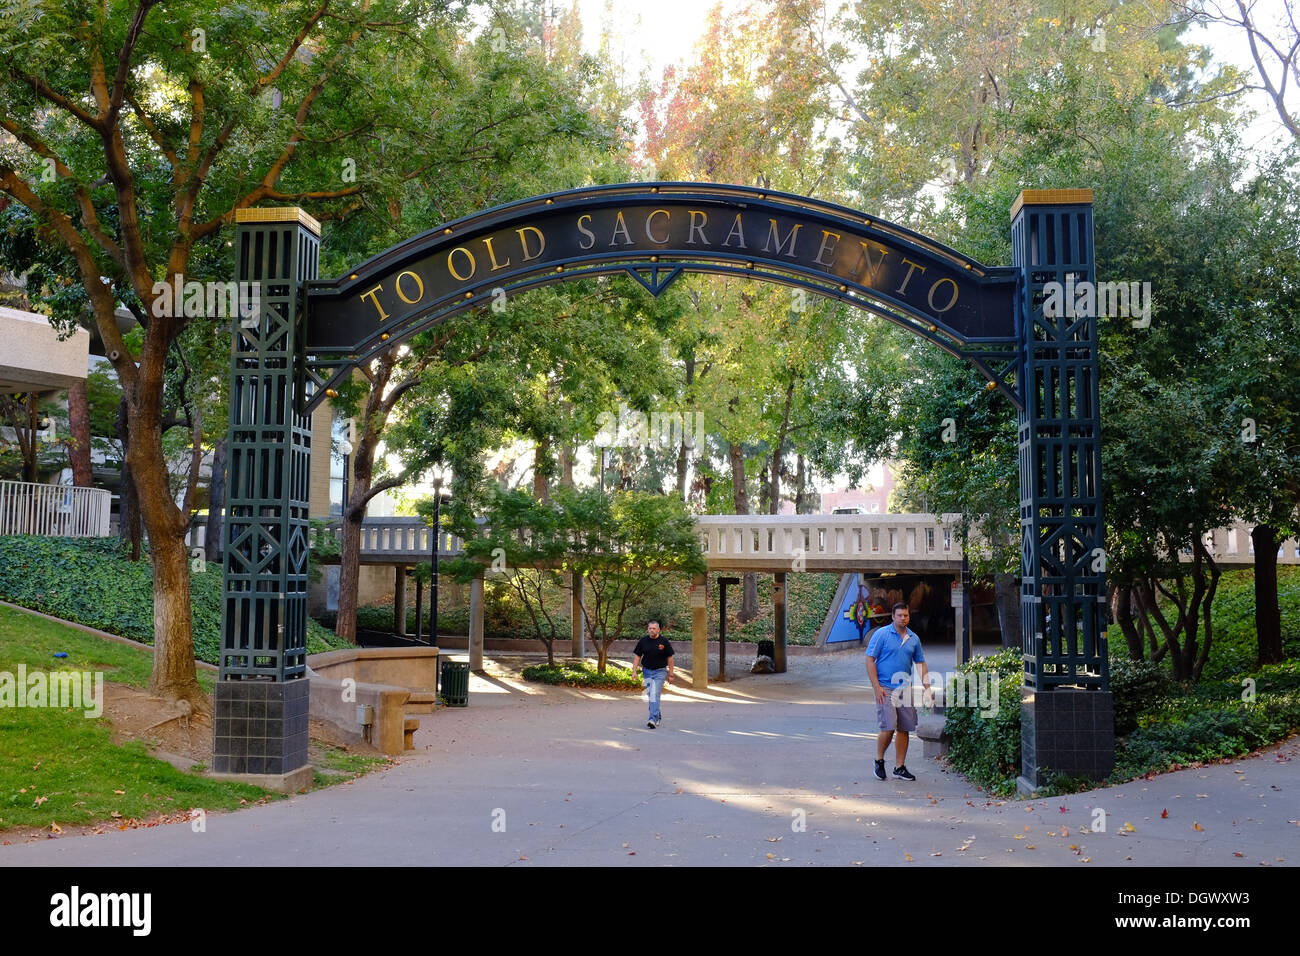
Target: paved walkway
555	776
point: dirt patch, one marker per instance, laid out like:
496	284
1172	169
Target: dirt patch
165	727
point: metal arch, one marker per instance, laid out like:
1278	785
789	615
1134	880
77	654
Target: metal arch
340	329
997	359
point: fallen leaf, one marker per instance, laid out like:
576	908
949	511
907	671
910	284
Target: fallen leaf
936	854
120	792
1129	828
1197	827
771	856
39	801
1020	836
1235	853
1163	814
1063	810
1026	829
55	828
773	839
908	857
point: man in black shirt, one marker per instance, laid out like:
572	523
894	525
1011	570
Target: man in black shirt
654	657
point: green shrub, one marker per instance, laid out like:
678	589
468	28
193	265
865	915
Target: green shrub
987	749
582	674
91	581
1136	687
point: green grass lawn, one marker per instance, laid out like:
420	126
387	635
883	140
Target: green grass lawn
59	767
91	581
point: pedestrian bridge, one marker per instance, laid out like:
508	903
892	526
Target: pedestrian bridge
814	543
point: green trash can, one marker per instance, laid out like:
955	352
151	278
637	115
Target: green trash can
455	683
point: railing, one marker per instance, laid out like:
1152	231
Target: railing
56	511
787	538
784	539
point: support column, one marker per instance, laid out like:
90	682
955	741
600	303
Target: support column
261	701
1063	589
577	626
476	624
699	632
399	601
778	621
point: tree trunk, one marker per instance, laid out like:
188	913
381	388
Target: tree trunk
354	513
542	466
1268	615
216	501
174	676
1007	596
749	593
800	485
1122	609
79	426
129	527
682	462
774	489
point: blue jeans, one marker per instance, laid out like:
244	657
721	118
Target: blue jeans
654	688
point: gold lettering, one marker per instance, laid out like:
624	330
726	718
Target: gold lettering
451	266
704	221
493	256
621	226
826	248
649	220
591	236
865	261
790	237
908	278
418	284
374	300
523	241
736	231
951	302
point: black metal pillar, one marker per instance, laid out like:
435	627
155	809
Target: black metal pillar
1067	713
262	695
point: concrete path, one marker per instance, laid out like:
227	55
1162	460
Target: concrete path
769	769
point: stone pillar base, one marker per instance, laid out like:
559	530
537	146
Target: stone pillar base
291	782
260	726
1066	730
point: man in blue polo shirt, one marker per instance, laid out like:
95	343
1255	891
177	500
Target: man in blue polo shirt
892	651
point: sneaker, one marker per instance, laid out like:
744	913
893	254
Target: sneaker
880	770
902	773
657	721
650	724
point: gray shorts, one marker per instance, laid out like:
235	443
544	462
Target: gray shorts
893	717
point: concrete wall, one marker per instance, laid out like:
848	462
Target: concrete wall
33	358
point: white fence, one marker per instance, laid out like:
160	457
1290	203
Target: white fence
783	538
54	510
770	540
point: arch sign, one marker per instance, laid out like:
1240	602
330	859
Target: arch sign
655	233
311	334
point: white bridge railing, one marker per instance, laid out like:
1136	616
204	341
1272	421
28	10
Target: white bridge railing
784	539
54	510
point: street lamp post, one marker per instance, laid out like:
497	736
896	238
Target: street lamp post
433	578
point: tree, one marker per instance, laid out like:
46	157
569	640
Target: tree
522	543
1274	47
133	155
625	545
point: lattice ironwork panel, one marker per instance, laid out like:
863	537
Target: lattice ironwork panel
264	620
1062	561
